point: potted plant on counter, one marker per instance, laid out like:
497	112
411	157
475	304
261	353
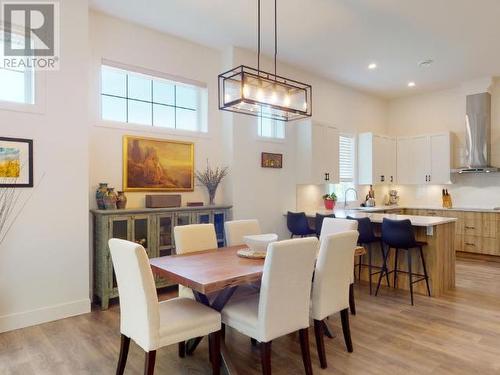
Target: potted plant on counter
330	200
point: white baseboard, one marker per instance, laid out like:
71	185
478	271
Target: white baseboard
43	315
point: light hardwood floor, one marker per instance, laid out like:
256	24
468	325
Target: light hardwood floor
456	334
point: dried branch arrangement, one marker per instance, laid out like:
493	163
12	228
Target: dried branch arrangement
211	179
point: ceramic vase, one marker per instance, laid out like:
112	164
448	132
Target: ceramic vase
121	200
110	199
99	195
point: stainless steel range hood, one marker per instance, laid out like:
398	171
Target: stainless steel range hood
478	135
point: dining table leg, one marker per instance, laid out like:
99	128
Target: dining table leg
218	304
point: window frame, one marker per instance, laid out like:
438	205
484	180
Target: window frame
202	130
37	86
273	137
343	182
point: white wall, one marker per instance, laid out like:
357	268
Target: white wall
44	261
445	111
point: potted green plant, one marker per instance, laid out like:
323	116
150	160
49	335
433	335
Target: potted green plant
330	200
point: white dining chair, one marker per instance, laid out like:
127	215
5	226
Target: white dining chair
235	230
152	324
333	226
283	304
330	291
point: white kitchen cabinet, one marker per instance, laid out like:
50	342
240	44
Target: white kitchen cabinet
376	159
317	154
424	159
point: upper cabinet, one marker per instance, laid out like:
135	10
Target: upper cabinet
317	154
376	159
424	159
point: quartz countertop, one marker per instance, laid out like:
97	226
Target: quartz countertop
415	207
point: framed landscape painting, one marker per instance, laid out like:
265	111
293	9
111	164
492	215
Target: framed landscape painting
16	162
157	165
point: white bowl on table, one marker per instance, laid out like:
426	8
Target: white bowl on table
258	242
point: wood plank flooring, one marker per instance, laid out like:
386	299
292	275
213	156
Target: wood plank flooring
458	333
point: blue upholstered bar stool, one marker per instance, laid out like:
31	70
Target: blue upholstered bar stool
318	224
366	239
398	234
298	225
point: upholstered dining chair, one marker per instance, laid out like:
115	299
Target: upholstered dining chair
330	291
333	226
236	229
152	324
284	301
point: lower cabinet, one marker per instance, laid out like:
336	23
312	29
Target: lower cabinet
153	229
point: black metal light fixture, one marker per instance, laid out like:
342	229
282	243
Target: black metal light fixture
258	93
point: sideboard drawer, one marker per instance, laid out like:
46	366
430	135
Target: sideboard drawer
473	227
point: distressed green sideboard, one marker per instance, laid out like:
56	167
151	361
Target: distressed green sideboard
153	228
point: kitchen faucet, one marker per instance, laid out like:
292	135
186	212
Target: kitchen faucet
345	196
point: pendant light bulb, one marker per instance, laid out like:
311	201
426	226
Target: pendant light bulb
246	91
274	97
286	101
260	95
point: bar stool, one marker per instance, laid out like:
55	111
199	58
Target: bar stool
398	234
298	225
319	222
366	239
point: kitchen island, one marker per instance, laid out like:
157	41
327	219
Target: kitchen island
439	254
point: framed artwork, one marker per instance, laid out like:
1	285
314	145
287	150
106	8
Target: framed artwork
157	165
269	160
16	162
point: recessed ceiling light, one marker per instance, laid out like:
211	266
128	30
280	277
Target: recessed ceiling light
372	66
411	84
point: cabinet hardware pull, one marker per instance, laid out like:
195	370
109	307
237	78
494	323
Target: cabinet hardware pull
470	244
466	227
327	176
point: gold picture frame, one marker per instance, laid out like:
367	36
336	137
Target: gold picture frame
152	164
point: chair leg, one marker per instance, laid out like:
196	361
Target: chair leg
149	363
223	332
395	281
370	266
359	267
306	354
320	342
410	276
214	349
425	271
253	341
384	268
182	349
122	359
352	304
265	357
344	316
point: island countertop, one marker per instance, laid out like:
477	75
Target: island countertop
416	221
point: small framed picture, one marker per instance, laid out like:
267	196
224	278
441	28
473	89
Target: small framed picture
16	162
270	160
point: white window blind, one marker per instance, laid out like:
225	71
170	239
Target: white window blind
346	158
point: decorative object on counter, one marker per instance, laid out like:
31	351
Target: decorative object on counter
157	165
393	198
163	200
100	193
270	160
110	199
16	162
447	203
121	200
211	179
370	198
194	204
251	254
329	201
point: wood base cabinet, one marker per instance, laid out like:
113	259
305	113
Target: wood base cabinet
153	229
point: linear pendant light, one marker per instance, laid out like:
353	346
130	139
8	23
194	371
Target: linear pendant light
258	93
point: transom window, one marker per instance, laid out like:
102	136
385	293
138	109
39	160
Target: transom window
17	85
270	128
142	99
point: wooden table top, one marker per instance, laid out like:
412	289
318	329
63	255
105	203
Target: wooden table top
209	271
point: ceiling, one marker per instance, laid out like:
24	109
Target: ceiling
339	38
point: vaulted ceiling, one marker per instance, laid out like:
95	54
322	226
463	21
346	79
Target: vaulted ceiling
338	39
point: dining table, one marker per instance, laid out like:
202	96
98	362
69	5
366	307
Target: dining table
213	276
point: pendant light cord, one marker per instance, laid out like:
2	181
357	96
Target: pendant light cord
275	34
258	35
